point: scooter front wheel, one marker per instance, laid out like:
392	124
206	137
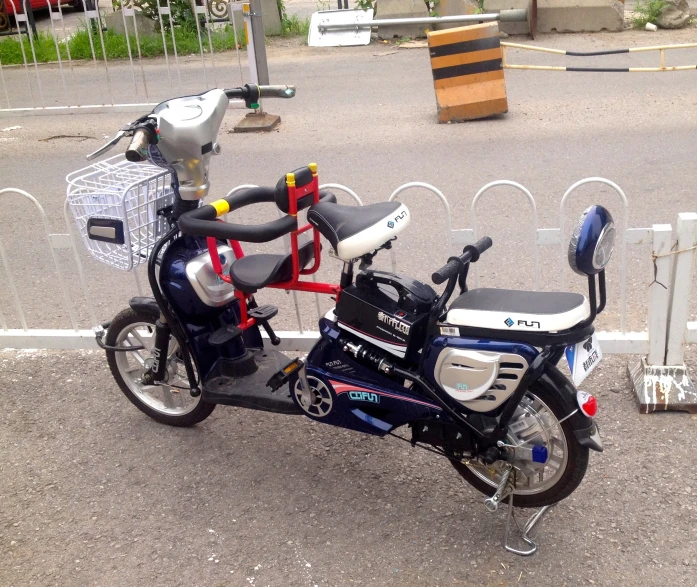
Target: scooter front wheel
171	402
537	421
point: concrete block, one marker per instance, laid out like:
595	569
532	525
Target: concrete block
674	15
512	28
574	16
402	9
114	23
270	16
454	8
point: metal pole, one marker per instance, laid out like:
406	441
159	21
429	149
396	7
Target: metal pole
514	15
30	19
258	38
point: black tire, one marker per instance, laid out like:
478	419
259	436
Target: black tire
77	5
123	321
571	477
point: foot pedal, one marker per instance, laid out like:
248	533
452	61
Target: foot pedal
263	313
281	377
224	335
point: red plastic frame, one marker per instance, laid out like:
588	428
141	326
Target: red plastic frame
294	194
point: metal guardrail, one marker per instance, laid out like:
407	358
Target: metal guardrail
62	79
669	328
660	48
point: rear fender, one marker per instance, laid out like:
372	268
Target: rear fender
585	429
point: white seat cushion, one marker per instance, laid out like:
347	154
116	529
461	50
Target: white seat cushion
354	231
505	309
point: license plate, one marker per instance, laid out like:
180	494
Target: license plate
583	357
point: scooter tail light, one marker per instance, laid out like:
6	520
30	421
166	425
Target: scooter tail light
587	403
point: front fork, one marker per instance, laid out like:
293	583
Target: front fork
158	370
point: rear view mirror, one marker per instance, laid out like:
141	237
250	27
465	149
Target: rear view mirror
592	241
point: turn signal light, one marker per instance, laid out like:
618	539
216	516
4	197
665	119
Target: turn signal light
587	403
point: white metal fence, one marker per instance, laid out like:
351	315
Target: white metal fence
70	85
668	296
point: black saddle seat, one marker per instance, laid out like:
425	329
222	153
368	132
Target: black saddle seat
253	272
338	223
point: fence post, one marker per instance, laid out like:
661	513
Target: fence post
659	294
682	287
662	382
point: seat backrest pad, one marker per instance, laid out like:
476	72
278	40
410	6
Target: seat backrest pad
303	178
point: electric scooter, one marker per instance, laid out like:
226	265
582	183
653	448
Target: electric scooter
469	374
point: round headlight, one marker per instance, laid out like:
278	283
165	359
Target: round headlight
592	241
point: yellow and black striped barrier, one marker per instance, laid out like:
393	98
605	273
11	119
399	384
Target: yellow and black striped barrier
468	64
467	72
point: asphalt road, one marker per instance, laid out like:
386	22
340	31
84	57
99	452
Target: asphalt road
95	493
86	478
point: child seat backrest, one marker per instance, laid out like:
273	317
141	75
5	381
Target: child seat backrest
304	188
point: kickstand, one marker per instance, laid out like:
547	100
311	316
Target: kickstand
525	531
505	490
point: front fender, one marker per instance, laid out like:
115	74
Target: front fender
585	429
146	305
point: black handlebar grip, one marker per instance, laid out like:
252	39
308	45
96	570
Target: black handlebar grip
138	149
483	244
447	271
456	264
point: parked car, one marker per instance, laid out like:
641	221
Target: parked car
37	5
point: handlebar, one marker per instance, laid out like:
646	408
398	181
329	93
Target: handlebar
251	93
454	266
138	149
203	220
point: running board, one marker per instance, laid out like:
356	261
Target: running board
243	383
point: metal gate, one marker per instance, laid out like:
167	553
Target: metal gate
69	85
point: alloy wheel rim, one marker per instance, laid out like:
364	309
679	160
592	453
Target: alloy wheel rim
542	429
167	399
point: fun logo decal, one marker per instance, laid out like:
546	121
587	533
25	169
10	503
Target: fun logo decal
402	216
364	396
532	324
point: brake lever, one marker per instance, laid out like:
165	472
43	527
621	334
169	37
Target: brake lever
109	145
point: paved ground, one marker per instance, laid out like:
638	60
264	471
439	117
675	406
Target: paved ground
94	493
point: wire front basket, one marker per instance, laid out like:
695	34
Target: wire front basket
117	189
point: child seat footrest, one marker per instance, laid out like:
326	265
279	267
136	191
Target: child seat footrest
224	335
263	313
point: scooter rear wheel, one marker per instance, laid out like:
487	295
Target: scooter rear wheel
170	404
537	420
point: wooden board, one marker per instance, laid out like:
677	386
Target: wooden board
468	72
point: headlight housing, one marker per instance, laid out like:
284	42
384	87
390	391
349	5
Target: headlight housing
592	241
